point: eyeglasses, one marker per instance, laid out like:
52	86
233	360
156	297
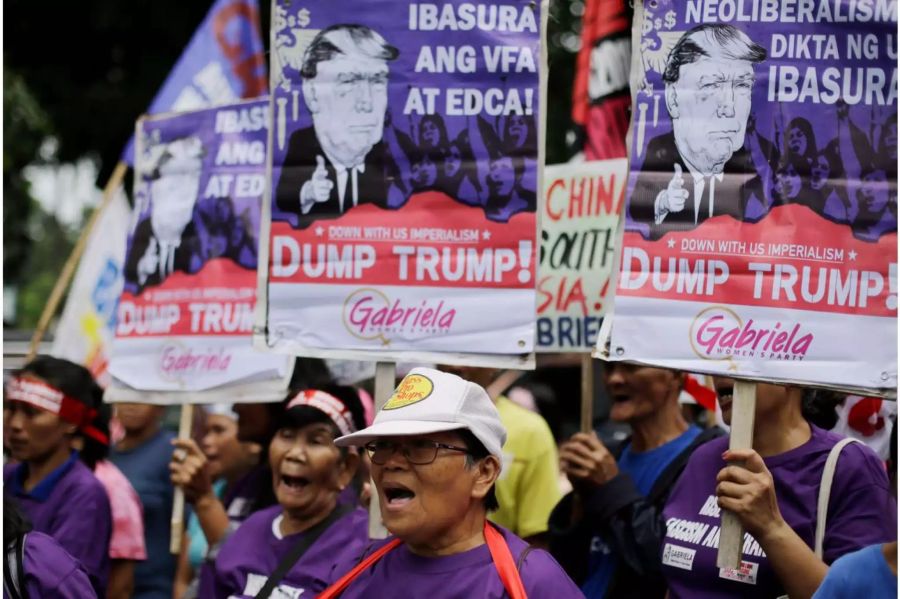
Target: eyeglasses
419	451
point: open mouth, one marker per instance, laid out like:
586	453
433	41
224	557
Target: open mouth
397	495
620	398
295	483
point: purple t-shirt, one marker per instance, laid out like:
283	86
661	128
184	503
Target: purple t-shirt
469	575
861	512
71	506
51	572
257	547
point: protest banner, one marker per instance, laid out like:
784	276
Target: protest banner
185	317
223	62
601	101
86	328
760	225
581	207
406	153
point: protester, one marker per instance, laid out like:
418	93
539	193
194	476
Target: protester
47	403
607	532
775	498
293	546
869	572
143	456
221	463
126	545
528	488
257	423
36	566
436	454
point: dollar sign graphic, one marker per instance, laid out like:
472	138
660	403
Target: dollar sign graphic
303	17
670	19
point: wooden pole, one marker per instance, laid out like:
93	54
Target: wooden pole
743	414
587	393
385	376
177	522
68	271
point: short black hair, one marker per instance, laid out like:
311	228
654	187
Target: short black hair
303	415
72	379
734	43
94	451
819	406
477	451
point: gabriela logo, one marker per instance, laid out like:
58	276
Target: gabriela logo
719	333
177	361
369	314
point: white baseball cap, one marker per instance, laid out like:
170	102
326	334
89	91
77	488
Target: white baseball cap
430	401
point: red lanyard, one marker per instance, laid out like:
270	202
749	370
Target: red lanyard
500	554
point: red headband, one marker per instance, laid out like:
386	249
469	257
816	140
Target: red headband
327	403
50	399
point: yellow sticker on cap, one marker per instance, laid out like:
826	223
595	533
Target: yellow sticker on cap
412	389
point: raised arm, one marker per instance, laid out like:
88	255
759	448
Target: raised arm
849	156
191	474
480	154
760	161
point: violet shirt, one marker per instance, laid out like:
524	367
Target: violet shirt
71	506
257	547
51	572
250	494
861	512
468	575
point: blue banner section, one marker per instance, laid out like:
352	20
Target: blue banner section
223	63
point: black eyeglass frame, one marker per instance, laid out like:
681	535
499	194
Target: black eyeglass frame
405	450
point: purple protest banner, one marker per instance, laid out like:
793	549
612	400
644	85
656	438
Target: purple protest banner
761	216
406	144
185	317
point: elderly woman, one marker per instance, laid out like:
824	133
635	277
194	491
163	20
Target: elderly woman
776	499
435	448
293	546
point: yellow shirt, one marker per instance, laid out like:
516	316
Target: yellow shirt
528	487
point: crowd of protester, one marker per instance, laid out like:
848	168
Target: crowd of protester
480	490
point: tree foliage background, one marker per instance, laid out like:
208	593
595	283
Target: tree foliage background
83	72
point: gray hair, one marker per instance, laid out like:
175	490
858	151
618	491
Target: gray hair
345	40
708	40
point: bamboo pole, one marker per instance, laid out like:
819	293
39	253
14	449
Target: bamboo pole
176	524
68	271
